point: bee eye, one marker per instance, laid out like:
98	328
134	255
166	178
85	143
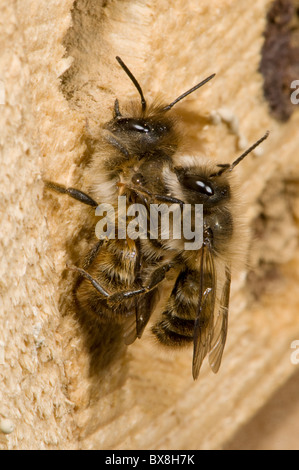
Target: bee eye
198	185
140	127
131	125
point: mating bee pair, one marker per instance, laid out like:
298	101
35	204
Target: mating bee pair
121	277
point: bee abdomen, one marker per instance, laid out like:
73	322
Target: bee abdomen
176	328
175	333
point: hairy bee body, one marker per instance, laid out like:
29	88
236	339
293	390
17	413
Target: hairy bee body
136	156
202	286
127	265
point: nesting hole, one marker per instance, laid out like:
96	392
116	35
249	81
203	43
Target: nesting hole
280	53
275	237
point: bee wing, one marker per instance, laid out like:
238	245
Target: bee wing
220	329
133	327
144	306
204	322
130	330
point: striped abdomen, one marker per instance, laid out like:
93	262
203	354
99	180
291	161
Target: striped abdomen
176	328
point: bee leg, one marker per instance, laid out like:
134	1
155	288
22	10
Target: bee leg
93	281
114	298
120	296
157	276
72	192
92	254
111	140
158	197
170	199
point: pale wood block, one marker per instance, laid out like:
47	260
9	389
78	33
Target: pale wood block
148	399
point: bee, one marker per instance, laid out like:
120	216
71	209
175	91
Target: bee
136	156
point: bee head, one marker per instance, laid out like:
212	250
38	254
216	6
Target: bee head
200	185
150	130
145	134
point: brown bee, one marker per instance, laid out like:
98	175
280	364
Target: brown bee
136	158
197	309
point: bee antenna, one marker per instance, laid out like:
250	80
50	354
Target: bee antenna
166	108
248	151
131	76
227	167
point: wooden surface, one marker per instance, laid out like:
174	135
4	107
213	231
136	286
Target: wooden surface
148	399
275	426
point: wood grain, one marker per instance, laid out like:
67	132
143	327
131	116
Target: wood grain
147	399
